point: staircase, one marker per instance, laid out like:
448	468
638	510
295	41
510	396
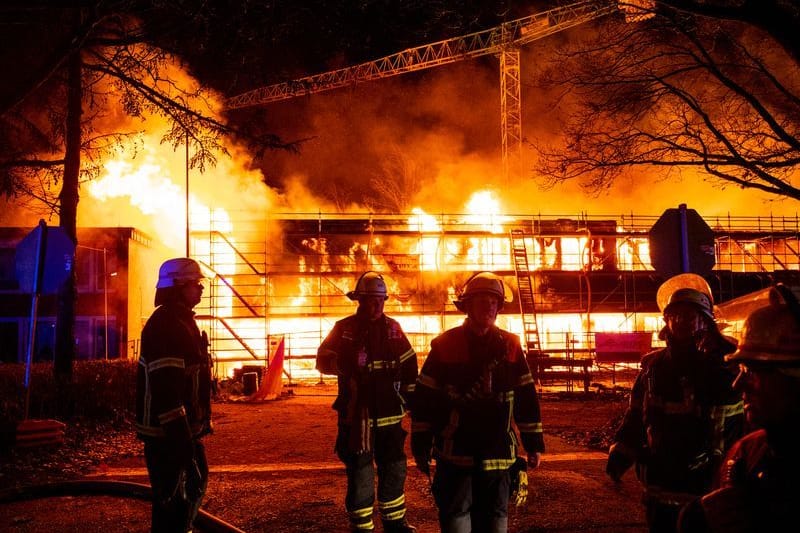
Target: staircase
234	307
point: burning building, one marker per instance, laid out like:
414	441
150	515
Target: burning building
286	278
279	282
280	279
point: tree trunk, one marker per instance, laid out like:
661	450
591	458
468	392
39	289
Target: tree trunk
68	211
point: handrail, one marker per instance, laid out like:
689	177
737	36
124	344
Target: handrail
235	335
789	246
771	252
748	254
237	252
238	295
238	338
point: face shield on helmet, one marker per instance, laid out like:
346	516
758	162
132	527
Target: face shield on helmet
771	334
686	288
174	272
369	284
481	283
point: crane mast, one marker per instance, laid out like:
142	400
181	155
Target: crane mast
503	40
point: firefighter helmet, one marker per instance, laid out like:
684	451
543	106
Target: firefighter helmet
686	288
369	284
771	334
481	283
178	271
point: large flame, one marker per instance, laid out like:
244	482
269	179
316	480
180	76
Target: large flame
147	188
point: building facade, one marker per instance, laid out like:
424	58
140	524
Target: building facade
115	280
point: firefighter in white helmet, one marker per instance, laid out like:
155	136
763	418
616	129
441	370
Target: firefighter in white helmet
376	369
474	384
173	397
683	413
758	487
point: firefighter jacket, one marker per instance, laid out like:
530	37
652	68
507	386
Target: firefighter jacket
173	383
376	369
682	417
759	487
469	392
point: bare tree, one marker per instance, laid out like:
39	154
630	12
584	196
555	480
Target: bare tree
778	18
673	92
53	120
396	184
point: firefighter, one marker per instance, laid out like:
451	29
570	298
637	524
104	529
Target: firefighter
475	382
376	368
683	412
759	487
173	397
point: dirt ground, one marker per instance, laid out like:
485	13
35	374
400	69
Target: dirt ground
273	470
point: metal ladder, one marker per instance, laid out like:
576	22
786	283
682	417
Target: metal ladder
527	305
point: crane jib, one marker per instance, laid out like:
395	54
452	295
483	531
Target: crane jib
495	40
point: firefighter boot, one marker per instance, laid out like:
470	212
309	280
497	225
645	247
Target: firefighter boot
398	526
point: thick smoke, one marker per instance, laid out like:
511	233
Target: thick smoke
428	139
435	134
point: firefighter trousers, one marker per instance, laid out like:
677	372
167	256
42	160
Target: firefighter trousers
471	500
178	484
390	459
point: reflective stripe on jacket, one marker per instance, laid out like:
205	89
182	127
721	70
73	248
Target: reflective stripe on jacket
683	415
466	405
386	379
174	374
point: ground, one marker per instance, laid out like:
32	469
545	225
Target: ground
273	470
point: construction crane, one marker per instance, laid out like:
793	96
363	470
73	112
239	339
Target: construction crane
504	41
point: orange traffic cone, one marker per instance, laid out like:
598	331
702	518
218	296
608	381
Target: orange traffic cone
272	383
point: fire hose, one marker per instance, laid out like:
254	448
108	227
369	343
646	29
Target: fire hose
204	522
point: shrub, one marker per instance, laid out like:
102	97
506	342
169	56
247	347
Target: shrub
102	390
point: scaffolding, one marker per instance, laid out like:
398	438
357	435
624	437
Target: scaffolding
287	275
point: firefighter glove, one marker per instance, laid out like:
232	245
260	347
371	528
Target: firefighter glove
618	463
519	496
518	476
421	449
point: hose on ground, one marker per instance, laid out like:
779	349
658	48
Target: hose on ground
205	521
